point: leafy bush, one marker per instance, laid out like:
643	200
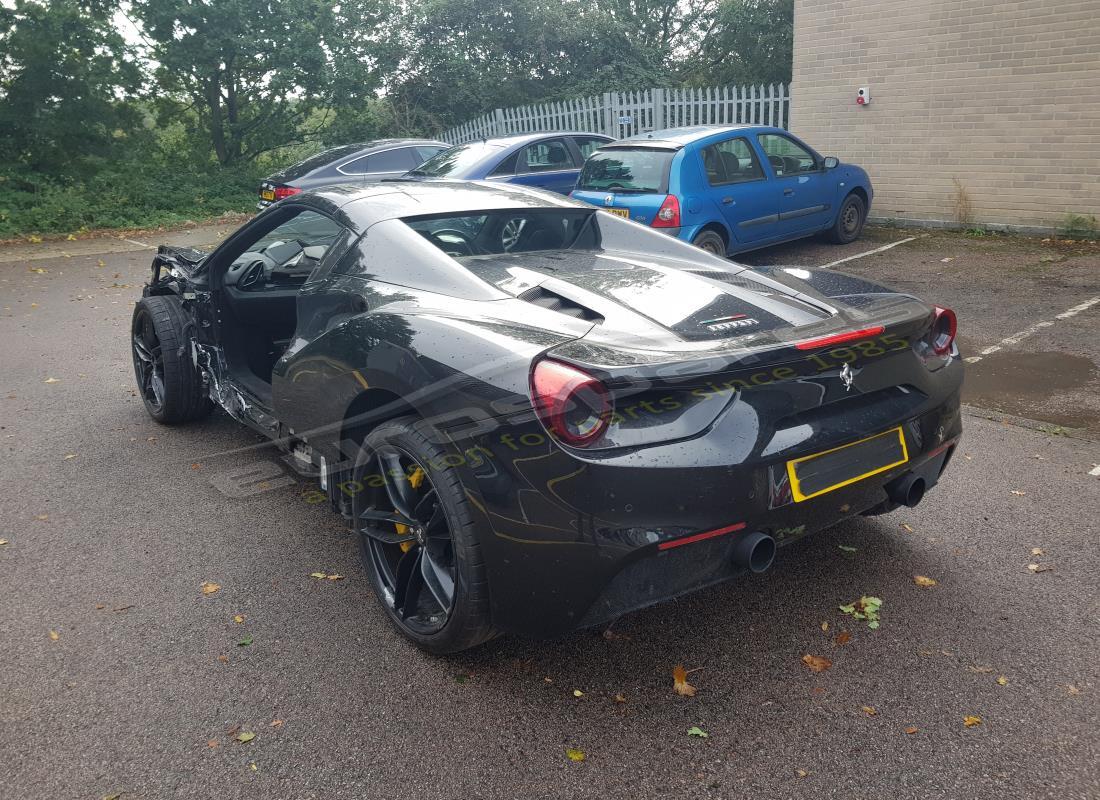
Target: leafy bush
130	194
1079	226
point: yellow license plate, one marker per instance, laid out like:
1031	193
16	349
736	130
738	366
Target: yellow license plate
619	212
829	470
267	194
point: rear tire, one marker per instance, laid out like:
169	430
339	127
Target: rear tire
710	242
425	560
168	381
849	220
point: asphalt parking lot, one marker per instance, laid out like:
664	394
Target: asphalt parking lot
120	676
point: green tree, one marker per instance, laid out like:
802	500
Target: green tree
65	79
253	71
743	42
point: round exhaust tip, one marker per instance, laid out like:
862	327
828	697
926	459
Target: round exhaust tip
915	493
754	551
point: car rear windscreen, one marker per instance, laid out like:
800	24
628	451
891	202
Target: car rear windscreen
619	169
498	232
319	160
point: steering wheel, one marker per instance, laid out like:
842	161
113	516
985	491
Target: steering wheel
445	239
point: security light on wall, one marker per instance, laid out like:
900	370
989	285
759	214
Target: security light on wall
863	96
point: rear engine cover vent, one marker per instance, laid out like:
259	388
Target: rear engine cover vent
544	298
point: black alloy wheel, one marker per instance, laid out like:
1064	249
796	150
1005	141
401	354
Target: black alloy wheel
417	539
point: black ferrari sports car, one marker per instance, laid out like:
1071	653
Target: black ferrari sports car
538	416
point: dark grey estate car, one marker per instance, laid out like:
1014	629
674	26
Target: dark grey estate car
350	163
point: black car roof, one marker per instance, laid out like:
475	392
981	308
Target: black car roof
362	206
346	151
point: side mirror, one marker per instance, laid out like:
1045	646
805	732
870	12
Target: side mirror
831	162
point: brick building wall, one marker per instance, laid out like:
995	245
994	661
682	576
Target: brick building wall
983	112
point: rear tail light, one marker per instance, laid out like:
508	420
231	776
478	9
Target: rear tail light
574	406
286	191
668	215
942	335
838	338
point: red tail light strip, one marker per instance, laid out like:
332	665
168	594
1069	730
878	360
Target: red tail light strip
838	338
698	537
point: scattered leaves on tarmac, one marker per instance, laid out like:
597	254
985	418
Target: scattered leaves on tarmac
1037	551
972	721
223	658
816	663
801	773
620	698
923	580
680	682
1033	568
573	754
54	635
70	457
238	618
116	795
52	380
324	576
1018	493
245	642
865	608
578	693
869	710
825	626
244	737
912	729
1002	680
42	517
210	588
3	542
212	743
906	527
276	723
697	731
842	638
847	549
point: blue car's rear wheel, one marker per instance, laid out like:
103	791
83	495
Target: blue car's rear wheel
710	242
418	541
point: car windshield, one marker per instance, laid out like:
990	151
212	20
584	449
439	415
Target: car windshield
627	170
455	159
522	230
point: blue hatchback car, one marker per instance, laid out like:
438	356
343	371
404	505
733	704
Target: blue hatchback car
543	160
728	188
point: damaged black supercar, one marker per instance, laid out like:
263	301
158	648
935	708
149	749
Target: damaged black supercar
538	416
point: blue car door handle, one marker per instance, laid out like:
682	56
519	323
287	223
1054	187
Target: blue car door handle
788	192
727	200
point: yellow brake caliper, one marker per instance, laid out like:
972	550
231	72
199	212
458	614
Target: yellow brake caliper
415	480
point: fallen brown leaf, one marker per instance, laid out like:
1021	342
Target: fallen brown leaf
869	711
50	380
1037	551
801	773
816	663
210	588
3	542
42	517
276	723
843	637
620	698
824	626
54	635
1071	689
923	580
1033	568
972	721
680	683
212	743
1018	493
238	618
906	527
1002	680
224	659
912	729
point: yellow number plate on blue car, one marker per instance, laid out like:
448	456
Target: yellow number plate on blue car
824	472
619	212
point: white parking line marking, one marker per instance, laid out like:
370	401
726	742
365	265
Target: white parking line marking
139	244
1095	471
1016	338
868	253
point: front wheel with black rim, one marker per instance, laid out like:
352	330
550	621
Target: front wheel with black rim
168	382
418	541
849	222
711	242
